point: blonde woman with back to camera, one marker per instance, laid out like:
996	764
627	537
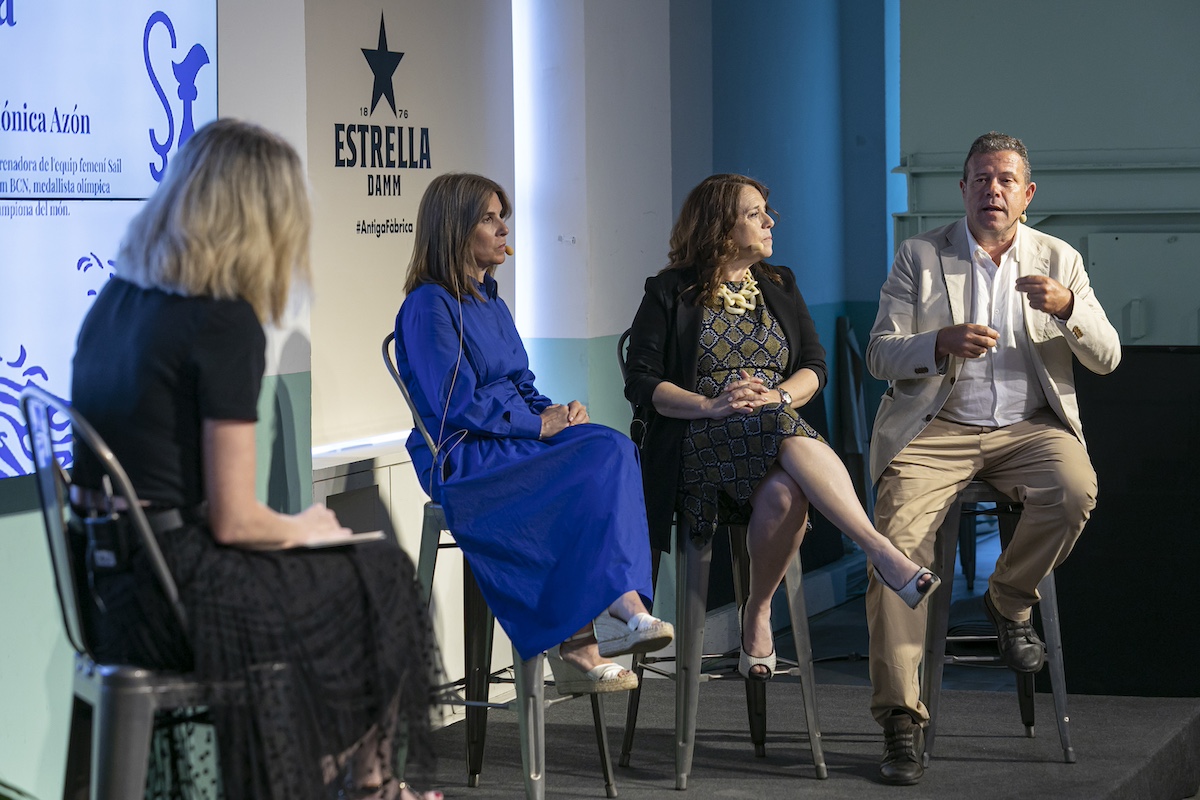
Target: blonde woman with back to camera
168	368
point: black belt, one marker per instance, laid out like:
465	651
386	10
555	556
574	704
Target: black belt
168	519
111	541
160	520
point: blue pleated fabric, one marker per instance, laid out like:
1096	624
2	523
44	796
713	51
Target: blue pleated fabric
554	530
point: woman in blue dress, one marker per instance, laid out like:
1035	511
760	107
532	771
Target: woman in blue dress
547	508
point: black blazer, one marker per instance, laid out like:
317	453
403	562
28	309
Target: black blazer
664	345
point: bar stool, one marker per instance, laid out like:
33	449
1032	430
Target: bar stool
692	563
478	629
936	632
968	532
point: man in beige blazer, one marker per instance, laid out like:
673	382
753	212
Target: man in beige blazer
978	323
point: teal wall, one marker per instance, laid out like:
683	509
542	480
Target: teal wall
814	115
1106	95
585	370
284	436
777	117
863	88
1073	75
35	658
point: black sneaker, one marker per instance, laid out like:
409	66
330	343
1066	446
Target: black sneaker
903	745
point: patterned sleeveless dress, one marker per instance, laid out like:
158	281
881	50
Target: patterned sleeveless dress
725	459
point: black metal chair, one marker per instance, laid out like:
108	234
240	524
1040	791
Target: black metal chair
692	563
478	629
113	712
936	634
856	441
856	433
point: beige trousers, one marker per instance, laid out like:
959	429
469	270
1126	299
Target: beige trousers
1038	462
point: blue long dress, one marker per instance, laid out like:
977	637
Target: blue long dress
554	530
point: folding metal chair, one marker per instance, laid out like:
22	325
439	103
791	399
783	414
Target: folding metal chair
112	716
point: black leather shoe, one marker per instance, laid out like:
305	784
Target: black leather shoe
1021	649
903	745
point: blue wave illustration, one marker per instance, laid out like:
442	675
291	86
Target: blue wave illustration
16	457
91	260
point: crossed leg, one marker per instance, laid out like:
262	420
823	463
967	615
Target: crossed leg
773	536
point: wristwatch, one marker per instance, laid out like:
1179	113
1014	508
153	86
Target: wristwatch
784	396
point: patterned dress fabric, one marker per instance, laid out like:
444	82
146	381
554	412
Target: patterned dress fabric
725	459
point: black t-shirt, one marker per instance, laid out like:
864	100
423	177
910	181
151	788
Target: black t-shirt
149	368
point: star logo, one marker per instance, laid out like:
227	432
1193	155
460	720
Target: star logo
383	64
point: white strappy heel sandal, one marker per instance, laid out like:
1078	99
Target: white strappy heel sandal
747	662
911	593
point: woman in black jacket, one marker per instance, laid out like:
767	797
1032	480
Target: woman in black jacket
721	353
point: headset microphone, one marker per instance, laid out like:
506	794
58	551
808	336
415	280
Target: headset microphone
442	438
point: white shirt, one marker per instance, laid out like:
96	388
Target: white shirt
1000	387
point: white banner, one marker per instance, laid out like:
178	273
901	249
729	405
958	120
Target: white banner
53	266
96	99
98	96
